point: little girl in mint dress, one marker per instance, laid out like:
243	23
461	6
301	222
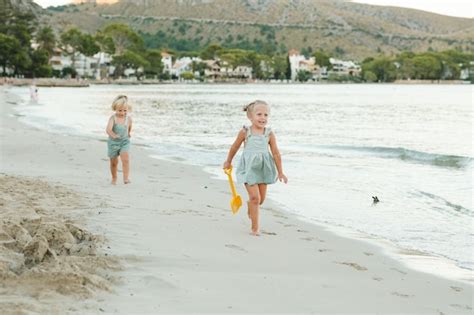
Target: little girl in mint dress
121	144
257	165
260	163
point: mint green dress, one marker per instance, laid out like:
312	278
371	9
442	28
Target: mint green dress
117	146
257	165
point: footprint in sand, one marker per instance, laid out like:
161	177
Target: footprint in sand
236	247
301	231
368	254
353	265
464	307
268	233
457	289
309	238
323	250
402	295
377	278
400	271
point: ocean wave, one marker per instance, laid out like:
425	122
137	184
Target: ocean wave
453	161
452	206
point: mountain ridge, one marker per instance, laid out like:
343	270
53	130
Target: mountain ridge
349	29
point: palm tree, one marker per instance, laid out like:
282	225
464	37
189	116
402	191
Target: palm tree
46	39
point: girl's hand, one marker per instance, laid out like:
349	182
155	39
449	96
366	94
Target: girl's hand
282	178
227	165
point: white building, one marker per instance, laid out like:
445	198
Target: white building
97	66
244	72
183	65
167	61
300	63
343	67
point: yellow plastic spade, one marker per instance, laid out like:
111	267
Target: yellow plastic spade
236	201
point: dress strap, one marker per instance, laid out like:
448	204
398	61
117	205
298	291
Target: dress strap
267	131
248	132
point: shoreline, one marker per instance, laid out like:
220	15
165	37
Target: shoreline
56	82
416	259
182	247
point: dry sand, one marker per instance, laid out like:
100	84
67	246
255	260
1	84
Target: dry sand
183	252
44	253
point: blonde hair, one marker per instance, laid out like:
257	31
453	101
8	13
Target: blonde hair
249	108
121	101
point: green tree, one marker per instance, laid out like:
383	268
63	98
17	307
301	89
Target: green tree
322	59
303	75
124	38
187	76
211	52
9	48
279	67
46	40
129	59
288	68
71	42
369	76
20	26
427	68
105	43
89	46
383	68
155	66
39	64
198	67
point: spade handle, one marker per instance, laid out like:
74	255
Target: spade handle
228	171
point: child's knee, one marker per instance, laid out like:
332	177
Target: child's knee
254	199
114	161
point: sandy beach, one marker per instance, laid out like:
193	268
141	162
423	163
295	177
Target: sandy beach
168	243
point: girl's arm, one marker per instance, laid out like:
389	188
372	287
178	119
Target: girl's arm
109	131
277	157
234	148
129	127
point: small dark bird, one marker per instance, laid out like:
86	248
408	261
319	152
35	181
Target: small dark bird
376	199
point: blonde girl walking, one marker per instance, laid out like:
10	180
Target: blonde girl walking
119	129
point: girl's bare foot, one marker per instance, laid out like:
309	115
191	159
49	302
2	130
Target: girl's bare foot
255	233
127	181
114	182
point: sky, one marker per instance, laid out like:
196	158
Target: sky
461	8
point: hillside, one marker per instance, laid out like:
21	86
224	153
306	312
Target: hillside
342	28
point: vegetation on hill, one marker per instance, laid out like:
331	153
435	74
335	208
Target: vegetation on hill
347	30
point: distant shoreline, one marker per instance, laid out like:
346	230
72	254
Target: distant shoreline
51	82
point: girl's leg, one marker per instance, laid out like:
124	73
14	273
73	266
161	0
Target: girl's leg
125	166
254	201
262	189
113	169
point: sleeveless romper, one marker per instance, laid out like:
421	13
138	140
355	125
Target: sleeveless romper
257	165
122	144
